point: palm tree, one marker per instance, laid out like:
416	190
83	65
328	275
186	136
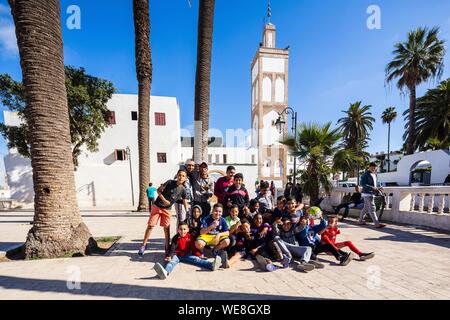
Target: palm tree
58	227
203	79
416	60
388	116
316	145
141	13
432	118
355	128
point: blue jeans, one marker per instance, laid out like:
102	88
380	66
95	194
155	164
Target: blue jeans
196	261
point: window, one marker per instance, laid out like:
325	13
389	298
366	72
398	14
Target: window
134	115
253	158
120	155
162	158
217	158
225	158
209	158
160	119
112	118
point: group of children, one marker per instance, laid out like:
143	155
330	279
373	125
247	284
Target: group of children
237	228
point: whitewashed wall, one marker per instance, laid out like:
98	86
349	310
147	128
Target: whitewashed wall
101	181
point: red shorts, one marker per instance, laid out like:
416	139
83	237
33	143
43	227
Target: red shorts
157	213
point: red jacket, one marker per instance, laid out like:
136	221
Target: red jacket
221	187
182	246
329	235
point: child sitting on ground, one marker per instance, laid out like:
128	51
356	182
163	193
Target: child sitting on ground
253	209
260	246
286	232
181	251
214	232
233	223
280	211
293	211
242	244
195	221
328	236
309	236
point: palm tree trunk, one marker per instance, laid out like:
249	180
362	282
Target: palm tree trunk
203	79
412	124
141	13
389	145
58	227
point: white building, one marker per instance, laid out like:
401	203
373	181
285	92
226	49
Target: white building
103	179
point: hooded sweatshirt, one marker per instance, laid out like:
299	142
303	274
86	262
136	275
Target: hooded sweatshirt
195	224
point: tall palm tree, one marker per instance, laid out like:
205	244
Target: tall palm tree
416	60
388	116
141	13
432	118
203	79
355	128
316	144
58	227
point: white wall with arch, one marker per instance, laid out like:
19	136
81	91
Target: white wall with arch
279	89
267	89
271	136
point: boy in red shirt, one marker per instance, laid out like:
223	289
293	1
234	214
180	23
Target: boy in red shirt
328	236
181	250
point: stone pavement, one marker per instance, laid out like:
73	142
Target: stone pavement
409	264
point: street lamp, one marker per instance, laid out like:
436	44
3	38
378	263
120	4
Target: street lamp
280	124
128	151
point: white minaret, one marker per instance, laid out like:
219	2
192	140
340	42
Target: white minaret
269	76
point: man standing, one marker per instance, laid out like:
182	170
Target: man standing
222	184
179	208
202	188
370	190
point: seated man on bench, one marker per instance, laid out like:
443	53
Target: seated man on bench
355	201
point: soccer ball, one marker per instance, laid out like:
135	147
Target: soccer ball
314	212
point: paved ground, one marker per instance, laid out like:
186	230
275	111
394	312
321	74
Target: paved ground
409	264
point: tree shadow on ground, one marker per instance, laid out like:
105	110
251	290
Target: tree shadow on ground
437	238
122	291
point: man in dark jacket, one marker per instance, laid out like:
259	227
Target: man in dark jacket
371	188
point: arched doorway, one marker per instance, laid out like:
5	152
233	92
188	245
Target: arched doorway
420	173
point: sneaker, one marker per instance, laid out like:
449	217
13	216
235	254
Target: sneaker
285	262
270	267
316	264
141	251
380	226
224	257
216	263
346	259
362	223
366	256
305	266
162	273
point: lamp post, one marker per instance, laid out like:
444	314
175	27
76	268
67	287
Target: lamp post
279	124
128	151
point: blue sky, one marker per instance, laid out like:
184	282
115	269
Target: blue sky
334	58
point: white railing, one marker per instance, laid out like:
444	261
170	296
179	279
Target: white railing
431	199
